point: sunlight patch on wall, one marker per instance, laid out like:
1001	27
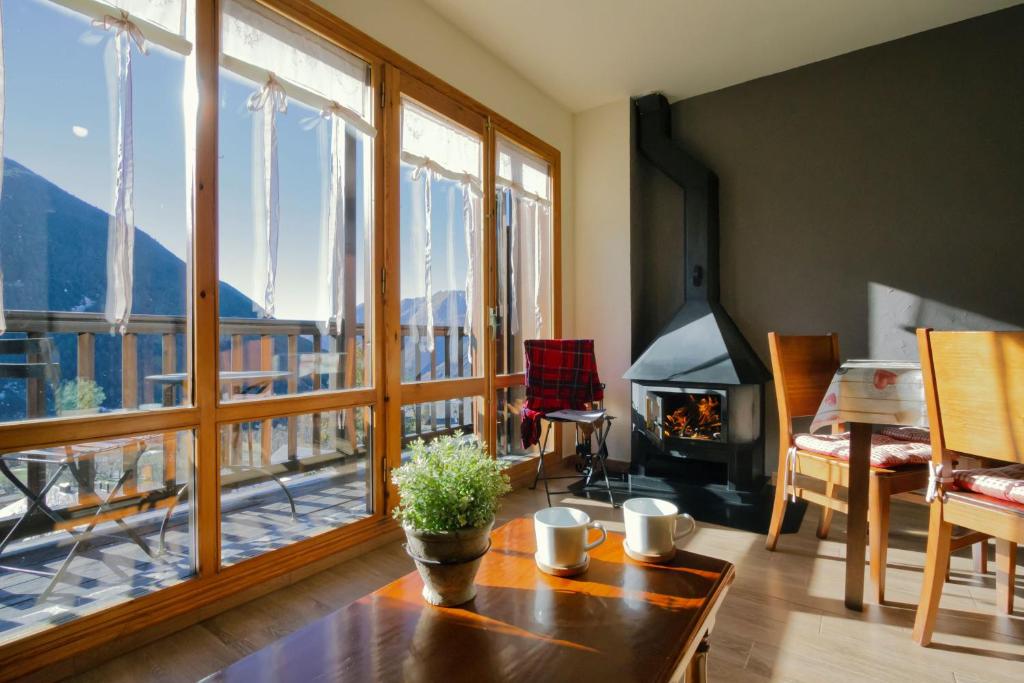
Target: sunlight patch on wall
894	315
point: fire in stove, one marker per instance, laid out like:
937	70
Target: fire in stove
699	417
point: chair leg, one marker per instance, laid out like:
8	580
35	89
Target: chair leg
778	508
878	533
825	522
540	458
979	557
936	561
1006	569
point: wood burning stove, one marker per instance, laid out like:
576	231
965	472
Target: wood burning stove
698	387
697	434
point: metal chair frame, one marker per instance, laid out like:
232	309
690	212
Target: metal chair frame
588	468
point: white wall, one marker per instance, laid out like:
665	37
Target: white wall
601	278
418	33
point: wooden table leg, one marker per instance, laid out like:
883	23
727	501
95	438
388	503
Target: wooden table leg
697	670
857	513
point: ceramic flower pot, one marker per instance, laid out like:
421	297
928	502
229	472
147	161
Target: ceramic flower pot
448	562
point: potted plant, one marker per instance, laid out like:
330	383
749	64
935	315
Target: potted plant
79	397
449	491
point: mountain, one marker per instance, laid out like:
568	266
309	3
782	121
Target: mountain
444	302
53	247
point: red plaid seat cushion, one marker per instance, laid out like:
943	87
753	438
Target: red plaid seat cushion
1005	483
885	451
561	374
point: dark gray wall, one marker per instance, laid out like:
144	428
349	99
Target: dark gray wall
867	194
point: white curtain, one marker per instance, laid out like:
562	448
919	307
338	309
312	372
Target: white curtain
333	222
259	38
121	234
167	14
423	248
471	198
437	148
524	183
267	103
260	45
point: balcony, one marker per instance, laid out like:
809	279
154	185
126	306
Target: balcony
114	518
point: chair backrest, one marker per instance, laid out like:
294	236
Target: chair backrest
803	367
974	385
561	373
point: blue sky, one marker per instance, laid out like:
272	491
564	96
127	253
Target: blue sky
59	124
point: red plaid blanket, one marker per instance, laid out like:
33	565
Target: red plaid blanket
561	374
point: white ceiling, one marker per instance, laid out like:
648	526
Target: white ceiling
585	53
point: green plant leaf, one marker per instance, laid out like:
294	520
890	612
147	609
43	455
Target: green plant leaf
448	484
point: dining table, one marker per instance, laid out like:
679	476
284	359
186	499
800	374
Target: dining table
864	394
621	620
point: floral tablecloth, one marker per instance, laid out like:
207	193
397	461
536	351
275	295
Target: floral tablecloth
874	392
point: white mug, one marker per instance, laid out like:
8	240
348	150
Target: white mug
562	536
651	525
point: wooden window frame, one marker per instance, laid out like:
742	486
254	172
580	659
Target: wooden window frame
213	588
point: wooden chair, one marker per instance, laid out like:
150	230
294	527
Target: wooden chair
803	367
974	385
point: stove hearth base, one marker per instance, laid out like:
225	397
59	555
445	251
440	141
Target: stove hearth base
710	503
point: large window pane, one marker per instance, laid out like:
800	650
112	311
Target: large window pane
524	253
290	478
296	151
441	250
92	524
89	246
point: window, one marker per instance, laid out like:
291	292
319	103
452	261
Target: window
119	524
202	383
441	246
296	152
290	478
93	251
524	253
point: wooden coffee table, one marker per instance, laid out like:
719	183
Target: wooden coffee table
622	620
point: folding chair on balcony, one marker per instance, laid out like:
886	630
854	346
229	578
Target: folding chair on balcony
92	508
563	386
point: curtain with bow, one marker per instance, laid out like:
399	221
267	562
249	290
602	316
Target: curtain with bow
437	149
121	233
266	103
524	268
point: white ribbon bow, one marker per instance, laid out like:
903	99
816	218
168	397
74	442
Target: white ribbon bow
123	26
936	482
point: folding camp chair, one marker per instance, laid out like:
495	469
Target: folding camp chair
562	385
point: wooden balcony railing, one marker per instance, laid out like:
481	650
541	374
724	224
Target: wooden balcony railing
247	344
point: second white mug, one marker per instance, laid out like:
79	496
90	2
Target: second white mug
651	525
